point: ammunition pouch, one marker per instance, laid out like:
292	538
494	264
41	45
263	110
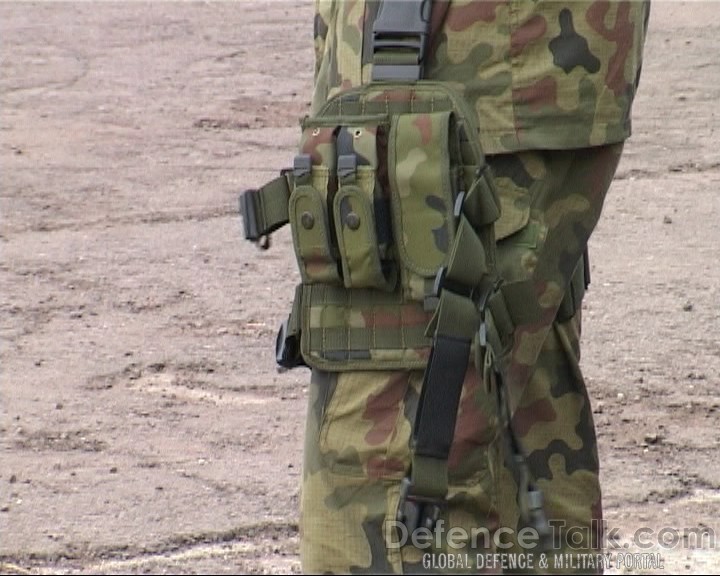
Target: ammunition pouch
389	200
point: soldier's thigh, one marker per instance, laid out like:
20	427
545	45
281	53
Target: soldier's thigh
357	450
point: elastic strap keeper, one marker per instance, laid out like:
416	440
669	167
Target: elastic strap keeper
456	316
429	477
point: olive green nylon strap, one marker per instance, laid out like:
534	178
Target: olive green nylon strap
511	305
265	209
468	264
430	476
482	205
456	316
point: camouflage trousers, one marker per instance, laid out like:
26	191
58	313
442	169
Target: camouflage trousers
359	424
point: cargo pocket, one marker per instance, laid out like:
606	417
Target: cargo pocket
364	431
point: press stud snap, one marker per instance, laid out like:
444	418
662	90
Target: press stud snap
307	220
353	221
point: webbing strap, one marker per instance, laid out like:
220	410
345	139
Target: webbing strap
265	209
435	424
509	306
453	327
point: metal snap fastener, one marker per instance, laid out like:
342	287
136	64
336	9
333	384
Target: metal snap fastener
307	220
352	221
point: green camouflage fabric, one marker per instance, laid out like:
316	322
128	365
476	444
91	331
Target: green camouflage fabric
359	423
551	85
540	75
371	234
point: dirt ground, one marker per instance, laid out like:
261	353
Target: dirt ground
143	425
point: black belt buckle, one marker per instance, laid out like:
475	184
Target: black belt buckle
416	511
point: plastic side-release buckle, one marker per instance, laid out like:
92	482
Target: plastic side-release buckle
401	28
249	200
416	511
287	348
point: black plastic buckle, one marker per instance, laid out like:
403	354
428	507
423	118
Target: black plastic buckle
401	26
417	511
287	348
247	209
346	167
442	282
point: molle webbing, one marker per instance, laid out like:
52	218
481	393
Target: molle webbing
355	329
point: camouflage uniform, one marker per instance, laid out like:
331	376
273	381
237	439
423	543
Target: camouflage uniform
552	84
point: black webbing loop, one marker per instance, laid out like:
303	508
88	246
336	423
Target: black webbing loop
287	343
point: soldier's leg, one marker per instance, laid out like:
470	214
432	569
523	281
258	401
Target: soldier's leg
555	427
551	410
357	450
356	453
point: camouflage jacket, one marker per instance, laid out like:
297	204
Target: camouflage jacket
540	74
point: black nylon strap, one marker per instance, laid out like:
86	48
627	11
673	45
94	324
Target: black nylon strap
438	407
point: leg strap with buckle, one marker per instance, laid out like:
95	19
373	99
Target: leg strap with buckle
265	209
459	286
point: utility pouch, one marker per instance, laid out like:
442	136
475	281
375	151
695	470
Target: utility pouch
424	175
391	202
309	222
361	209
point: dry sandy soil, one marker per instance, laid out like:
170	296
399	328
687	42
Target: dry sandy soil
144	427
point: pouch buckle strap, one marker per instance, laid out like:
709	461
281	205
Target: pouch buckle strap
579	282
416	511
399	42
265	209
